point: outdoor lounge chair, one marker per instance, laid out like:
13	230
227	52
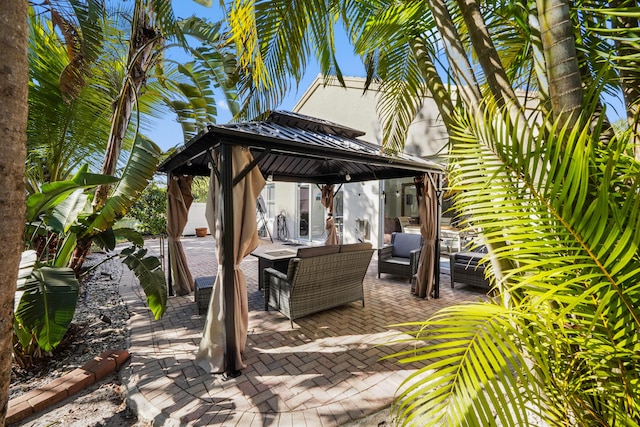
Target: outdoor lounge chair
400	258
466	268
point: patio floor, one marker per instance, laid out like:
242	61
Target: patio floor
326	371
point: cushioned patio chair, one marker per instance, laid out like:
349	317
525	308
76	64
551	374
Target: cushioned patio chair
400	258
467	269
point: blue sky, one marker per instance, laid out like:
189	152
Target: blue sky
167	132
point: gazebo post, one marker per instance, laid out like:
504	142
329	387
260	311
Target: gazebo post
170	279
436	285
226	188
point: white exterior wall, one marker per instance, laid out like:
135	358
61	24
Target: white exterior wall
285	201
346	106
196	219
350	107
361	202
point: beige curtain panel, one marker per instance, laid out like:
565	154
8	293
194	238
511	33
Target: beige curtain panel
330	225
428	211
211	354
179	199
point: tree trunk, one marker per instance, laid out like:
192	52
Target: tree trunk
489	60
441	96
79	254
463	74
14	83
140	60
559	44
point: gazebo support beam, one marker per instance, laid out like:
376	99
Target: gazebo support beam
226	187
436	266
170	275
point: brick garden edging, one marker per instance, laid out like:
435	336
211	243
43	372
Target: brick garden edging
67	385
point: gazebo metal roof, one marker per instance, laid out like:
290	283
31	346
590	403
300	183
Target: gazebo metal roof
297	148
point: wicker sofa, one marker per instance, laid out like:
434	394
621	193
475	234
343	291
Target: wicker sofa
400	258
319	278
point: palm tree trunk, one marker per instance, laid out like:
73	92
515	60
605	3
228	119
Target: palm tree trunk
14	82
489	60
463	74
559	44
440	94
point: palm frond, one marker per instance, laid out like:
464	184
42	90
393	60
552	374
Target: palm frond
563	211
383	36
274	40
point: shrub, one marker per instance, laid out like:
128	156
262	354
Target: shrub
151	210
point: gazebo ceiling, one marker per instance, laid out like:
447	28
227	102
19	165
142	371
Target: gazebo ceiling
297	148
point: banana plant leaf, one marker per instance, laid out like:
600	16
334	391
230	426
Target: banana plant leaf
65	213
135	178
55	193
130	234
47	305
151	277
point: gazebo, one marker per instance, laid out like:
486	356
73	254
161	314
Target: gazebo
295	148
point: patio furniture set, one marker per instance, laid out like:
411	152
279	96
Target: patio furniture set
312	279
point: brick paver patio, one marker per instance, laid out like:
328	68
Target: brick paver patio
326	371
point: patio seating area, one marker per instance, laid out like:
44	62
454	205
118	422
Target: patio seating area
325	371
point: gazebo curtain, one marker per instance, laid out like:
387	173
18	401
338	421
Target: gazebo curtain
330	225
179	199
211	354
428	211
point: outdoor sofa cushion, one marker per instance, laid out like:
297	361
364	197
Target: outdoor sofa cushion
401	257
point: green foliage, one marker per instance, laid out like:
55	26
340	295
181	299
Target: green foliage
69	108
560	340
135	178
54	193
200	188
151	210
151	277
47	304
58	218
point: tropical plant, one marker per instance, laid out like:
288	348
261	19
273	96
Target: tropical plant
56	218
47	304
186	89
84	77
13	124
553	188
200	188
559	341
68	104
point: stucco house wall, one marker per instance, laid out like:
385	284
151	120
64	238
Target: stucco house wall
351	107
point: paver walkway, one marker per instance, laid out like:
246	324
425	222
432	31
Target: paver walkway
325	371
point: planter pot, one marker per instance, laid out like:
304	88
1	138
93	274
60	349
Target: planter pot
201	232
